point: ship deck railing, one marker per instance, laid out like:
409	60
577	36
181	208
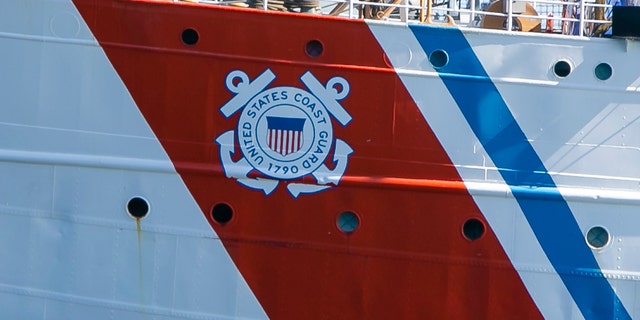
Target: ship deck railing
587	18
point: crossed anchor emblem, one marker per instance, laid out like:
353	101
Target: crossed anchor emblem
285	132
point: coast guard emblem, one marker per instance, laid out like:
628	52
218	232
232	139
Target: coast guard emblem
285	133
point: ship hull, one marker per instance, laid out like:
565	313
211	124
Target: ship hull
177	160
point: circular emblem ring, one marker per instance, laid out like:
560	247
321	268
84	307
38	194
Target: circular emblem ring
285	132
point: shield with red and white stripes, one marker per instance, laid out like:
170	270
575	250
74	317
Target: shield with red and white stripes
285	135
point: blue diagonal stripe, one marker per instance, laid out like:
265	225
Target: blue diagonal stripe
550	217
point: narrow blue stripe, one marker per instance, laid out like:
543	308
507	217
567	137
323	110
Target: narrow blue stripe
550	217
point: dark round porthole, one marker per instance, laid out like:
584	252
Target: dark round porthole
439	59
348	222
221	213
138	207
190	37
473	229
598	237
603	71
562	68
314	48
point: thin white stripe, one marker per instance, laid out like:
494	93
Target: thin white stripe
452	130
296	138
278	141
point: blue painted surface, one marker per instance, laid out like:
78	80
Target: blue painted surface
283	123
522	169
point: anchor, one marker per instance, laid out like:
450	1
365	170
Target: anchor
241	168
323	175
336	88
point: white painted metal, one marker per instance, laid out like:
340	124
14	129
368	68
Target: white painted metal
73	151
585	131
586	134
71	251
